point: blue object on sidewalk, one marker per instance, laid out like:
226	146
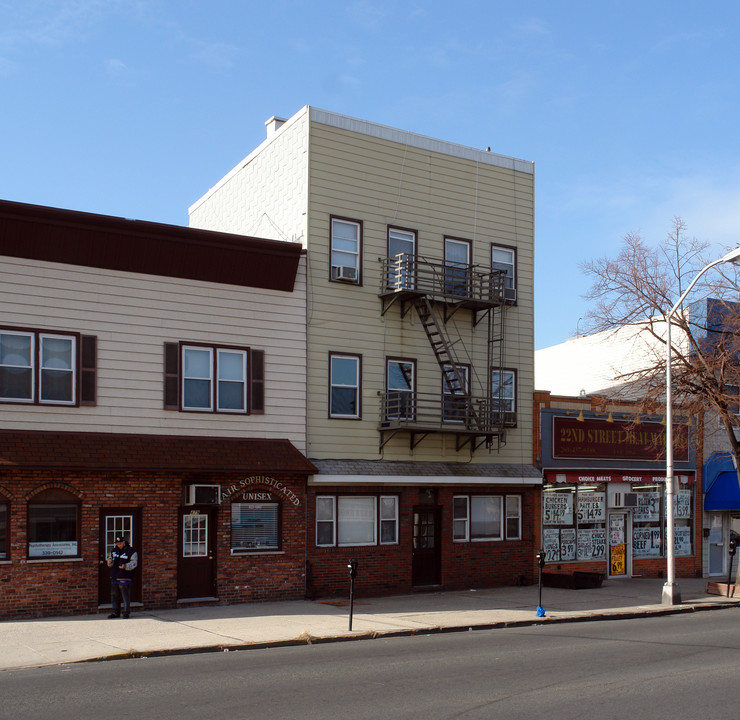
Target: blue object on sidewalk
540	611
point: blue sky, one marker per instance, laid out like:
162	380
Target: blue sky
629	110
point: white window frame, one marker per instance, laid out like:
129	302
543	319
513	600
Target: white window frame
243	382
30	367
208	378
508	267
38	369
214	378
330	503
509	403
332	385
408	391
72	369
334	503
406	278
385	520
355	255
513	511
462	521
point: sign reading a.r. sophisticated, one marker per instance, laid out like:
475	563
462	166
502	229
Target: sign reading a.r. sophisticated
599	439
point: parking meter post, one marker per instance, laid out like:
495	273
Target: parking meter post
732	550
540	565
352	566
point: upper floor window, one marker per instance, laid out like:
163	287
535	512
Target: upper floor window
400	387
344	384
454	403
213	379
401	257
503	390
504	258
346	250
47	367
457	266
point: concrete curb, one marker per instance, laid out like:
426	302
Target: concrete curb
628	614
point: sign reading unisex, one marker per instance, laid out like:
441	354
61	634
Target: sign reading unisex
593	439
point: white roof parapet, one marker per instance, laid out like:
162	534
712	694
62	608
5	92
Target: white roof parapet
405	137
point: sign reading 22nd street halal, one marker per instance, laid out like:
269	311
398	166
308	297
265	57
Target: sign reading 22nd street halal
599	439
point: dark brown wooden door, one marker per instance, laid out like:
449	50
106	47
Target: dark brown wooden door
425	562
196	565
118	521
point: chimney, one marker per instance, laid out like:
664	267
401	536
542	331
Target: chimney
273	125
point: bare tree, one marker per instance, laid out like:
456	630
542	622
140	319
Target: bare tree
638	288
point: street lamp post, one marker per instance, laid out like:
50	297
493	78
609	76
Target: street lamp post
671	592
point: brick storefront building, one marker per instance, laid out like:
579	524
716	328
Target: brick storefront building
152	384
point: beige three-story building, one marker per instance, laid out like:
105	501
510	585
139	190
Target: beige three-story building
419	317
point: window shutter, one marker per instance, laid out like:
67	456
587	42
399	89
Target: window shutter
88	369
257	381
171	376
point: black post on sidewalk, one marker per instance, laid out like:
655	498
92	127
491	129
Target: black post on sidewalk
733	548
540	565
352	575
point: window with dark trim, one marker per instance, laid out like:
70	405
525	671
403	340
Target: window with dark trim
400	386
503	390
454	403
486	517
347	520
47	367
4	515
53	525
210	378
344	386
401	258
346	250
504	258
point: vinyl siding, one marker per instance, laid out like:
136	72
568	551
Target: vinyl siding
132	316
383	177
382	183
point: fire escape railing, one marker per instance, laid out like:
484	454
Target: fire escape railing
437	290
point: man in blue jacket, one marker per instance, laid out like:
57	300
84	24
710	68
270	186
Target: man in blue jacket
122	563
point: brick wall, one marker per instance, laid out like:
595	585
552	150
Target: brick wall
387	569
47	587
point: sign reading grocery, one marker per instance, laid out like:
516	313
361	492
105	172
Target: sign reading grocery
598	439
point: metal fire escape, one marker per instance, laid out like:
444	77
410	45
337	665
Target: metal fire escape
437	291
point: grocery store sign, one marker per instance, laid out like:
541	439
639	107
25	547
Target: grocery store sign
592	439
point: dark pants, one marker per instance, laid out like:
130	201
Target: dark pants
120	592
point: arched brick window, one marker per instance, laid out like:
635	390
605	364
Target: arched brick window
53	524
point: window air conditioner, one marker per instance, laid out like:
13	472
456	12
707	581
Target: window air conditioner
203	495
624	500
343	272
510	294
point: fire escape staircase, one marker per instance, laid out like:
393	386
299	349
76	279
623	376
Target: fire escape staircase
427	290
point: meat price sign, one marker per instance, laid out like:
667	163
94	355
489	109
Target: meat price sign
598	439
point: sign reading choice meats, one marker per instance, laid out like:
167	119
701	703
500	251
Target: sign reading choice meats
598	439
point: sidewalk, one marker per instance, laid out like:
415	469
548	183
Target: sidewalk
50	641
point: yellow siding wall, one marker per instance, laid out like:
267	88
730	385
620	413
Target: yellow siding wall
382	183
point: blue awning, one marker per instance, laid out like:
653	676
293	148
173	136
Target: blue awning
721	488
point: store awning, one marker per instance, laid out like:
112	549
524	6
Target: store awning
724	494
721	488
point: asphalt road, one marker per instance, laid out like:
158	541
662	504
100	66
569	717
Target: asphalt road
676	666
